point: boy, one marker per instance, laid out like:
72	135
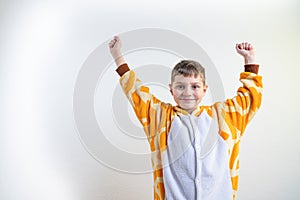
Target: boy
195	149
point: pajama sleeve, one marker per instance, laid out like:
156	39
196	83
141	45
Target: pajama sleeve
234	114
150	111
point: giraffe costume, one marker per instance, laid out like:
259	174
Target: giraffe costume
188	163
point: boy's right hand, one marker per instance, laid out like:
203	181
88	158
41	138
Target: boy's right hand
115	47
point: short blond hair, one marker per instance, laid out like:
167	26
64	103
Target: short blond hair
188	68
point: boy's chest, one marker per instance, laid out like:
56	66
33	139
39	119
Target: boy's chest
188	130
196	156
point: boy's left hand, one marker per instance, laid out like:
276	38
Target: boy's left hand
247	51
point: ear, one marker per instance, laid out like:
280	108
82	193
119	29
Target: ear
205	88
170	87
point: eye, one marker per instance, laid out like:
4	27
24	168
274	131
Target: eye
180	87
196	86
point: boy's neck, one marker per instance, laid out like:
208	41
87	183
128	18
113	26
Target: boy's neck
185	112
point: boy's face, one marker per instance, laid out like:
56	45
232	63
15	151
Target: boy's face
188	91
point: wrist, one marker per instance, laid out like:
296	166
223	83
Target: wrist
249	60
119	60
116	55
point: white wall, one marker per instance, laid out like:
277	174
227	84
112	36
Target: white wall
44	45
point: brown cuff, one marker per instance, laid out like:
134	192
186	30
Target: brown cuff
122	69
251	68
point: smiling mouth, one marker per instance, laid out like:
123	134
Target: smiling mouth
187	99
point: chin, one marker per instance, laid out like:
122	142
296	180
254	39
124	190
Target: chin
188	108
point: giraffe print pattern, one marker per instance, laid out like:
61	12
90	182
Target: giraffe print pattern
156	117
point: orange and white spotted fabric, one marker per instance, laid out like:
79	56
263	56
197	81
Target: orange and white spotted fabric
156	117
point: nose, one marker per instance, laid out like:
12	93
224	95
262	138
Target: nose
187	91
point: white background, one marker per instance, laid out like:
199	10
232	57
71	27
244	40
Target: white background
43	45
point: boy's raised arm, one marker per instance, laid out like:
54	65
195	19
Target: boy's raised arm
239	110
143	102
